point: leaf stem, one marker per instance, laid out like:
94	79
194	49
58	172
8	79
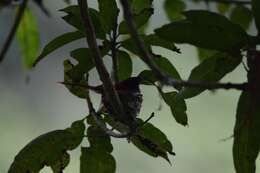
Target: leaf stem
14	28
114	53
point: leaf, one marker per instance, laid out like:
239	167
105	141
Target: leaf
140	20
205	53
49	149
138	6
78	91
125	65
148	77
152	141
178	106
211	70
154	40
28	38
97	157
165	65
174	9
85	63
223	7
92	160
246	134
58	42
256	9
241	15
73	18
206	30
108	14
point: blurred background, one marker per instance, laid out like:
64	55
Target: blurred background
33	103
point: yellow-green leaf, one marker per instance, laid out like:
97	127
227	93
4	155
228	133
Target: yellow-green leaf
28	38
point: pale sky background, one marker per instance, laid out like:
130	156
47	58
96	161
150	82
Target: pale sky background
42	105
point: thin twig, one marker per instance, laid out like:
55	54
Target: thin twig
114	53
109	89
147	57
10	37
100	124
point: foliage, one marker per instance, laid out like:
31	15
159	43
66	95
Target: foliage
221	39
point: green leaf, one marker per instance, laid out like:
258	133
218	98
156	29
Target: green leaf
58	42
49	149
28	38
165	65
73	18
154	40
256	9
130	45
139	18
78	91
108	14
85	63
246	134
241	15
205	53
174	9
206	30
211	70
97	157
92	160
223	7
125	65
148	77
138	6
178	106
152	141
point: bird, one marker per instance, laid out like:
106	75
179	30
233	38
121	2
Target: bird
129	94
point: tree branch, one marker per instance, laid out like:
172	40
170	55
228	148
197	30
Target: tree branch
147	57
109	89
10	37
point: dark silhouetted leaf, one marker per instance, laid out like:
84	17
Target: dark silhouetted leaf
256	9
57	43
28	38
174	9
85	63
177	104
125	65
152	141
140	20
73	18
154	40
165	65
49	149
97	157
246	134
205	53
108	14
242	16
206	30
92	160
148	77
80	92
212	69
